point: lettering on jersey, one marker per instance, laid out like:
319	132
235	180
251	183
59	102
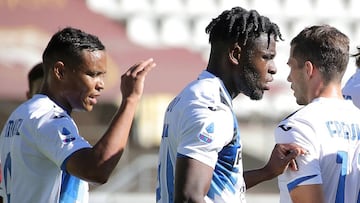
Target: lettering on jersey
67	135
284	127
207	136
238	158
347	131
12	127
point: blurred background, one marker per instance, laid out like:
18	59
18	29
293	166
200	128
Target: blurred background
173	33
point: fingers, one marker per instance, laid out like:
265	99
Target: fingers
142	68
293	165
293	147
291	151
287	153
290	159
132	81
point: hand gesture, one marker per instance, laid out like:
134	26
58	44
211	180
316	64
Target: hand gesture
132	81
282	157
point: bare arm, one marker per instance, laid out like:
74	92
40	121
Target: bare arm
192	180
307	194
282	156
97	163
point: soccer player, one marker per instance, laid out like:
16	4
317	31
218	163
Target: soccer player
73	189
200	152
40	140
328	126
351	90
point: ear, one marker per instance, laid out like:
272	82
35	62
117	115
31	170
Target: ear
235	54
59	70
310	69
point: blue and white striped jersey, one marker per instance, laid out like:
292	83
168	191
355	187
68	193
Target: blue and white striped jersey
199	123
73	189
330	130
34	144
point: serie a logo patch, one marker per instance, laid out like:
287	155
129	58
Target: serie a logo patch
67	137
207	135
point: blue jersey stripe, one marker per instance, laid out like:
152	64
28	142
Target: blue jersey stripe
170	177
70	189
296	182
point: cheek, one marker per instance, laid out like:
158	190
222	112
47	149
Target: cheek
262	69
86	84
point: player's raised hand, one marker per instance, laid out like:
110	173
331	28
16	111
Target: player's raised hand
132	81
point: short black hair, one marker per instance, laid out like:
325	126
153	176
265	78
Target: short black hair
67	45
35	73
239	24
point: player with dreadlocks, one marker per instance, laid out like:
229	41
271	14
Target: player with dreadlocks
200	151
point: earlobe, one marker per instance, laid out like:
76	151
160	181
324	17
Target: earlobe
309	68
59	70
235	54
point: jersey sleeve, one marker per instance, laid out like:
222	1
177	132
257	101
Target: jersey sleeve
205	131
302	133
58	138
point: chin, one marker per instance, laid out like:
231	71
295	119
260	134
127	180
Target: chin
256	95
88	109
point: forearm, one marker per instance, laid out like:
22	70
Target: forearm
98	162
112	144
254	177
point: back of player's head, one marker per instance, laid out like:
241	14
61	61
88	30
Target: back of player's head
240	25
326	47
35	77
67	45
35	73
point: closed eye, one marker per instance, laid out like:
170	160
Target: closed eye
269	56
95	74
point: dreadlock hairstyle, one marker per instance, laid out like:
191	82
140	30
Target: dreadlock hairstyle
238	25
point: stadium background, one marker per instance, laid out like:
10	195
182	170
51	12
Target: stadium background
173	33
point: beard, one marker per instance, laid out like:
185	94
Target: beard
249	84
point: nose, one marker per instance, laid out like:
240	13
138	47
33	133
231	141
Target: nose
272	68
100	84
288	78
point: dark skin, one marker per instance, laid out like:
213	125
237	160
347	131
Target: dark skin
192	177
77	88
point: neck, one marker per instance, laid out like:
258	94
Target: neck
330	91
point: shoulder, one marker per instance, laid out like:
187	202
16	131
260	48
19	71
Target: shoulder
203	91
47	116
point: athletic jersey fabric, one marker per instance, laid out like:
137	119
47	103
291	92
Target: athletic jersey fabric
351	89
199	123
34	144
73	189
330	130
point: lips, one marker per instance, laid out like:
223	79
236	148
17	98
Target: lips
92	99
267	85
